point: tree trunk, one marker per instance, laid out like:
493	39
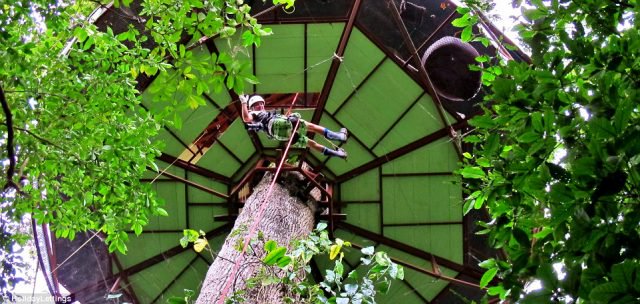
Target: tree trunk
286	217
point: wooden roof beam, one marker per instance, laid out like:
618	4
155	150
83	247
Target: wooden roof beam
335	64
193	168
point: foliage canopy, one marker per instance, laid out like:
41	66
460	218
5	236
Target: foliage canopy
556	159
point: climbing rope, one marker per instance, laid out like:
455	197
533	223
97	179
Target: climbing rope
292	103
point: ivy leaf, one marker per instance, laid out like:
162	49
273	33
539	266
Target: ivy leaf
283	261
274	256
367	250
199	245
333	252
467	32
270	245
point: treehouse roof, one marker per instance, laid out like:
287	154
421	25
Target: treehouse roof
349	63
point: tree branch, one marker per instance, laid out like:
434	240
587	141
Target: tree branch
11	153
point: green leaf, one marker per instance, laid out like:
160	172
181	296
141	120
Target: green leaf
338	269
528	137
472	172
283	261
321	226
368	250
183	51
462	21
479	201
137	228
161	212
467	32
604	293
333	252
624	273
270	245
488	276
521	237
176	300
274	256
543	233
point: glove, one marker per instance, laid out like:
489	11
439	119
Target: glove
244	98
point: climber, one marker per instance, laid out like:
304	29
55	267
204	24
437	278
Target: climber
280	127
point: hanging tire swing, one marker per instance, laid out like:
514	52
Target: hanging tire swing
447	63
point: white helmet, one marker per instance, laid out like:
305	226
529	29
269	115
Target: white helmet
254	99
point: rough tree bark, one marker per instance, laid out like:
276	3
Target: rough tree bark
285	218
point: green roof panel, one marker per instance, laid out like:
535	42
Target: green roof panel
322	42
237	140
439	156
197	196
379	103
442	240
217	159
147	245
173	195
201	216
364	187
153	284
421	120
421	199
189	279
359	59
280	60
365	216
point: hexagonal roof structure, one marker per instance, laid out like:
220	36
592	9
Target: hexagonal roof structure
351	63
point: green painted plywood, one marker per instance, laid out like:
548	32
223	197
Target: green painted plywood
442	240
237	140
191	279
280	60
366	216
439	156
359	59
149	283
218	160
199	196
220	98
201	217
364	187
379	103
172	146
421	120
196	121
147	245
421	199
322	42
173	195
358	155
